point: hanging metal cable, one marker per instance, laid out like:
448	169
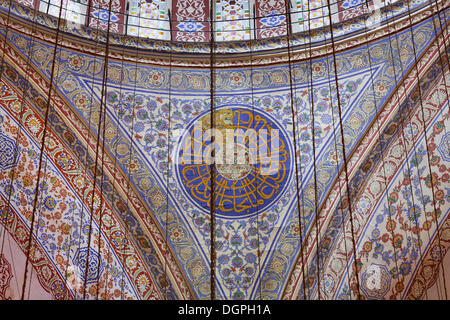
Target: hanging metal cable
403	125
313	135
398	99
2	67
433	192
8	208
344	155
41	154
294	113
86	167
444	33
213	156
101	120
258	253
103	151
382	148
129	183
25	86
169	161
338	170
115	154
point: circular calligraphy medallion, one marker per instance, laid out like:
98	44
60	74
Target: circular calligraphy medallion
251	161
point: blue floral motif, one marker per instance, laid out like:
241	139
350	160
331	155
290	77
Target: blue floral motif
273	20
9	157
103	15
444	147
94	266
190	26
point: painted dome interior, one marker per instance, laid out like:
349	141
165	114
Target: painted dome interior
227	149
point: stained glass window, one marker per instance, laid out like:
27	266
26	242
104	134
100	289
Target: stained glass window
190	20
148	19
99	14
270	18
309	14
232	20
73	10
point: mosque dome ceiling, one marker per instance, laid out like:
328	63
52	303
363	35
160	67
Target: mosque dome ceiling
341	135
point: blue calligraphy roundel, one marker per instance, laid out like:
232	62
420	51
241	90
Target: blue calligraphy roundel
250	159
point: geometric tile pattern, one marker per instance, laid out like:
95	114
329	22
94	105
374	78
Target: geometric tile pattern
94	266
102	11
270	18
190	20
9	155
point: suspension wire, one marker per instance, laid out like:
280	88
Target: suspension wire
409	170
169	162
70	236
131	149
428	156
44	135
414	147
313	134
100	210
427	148
126	243
213	155
403	125
257	183
102	115
299	207
52	114
115	165
338	180
380	143
7	208
97	38
444	33
19	127
344	153
86	168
